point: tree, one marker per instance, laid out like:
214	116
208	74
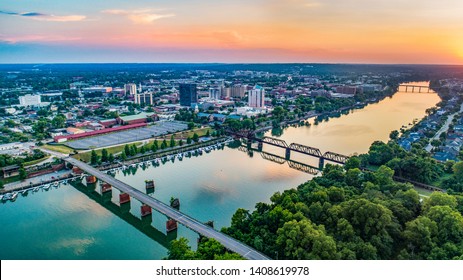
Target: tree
394	135
188	140
172	141
127	149
154	147
304	241
458	170
163	144
104	155
180	142
180	250
22	173
143	149
208	134
93	158
58	122
123	155
111	158
195	137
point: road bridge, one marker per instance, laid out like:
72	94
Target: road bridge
204	230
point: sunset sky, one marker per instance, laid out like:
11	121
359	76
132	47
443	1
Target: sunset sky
339	31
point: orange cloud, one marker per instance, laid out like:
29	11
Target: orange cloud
139	16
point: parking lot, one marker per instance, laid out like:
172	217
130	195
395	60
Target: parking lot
132	135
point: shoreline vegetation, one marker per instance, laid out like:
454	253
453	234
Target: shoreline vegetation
351	214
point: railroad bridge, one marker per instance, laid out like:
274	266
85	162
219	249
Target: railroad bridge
293	147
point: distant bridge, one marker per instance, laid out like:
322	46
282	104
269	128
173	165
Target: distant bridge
148	201
416	88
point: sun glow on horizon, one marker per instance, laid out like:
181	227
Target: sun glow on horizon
255	31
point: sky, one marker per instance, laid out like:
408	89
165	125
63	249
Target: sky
234	31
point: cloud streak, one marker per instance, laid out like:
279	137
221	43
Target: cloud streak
46	17
144	16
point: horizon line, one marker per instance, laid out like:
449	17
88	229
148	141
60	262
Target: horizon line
235	63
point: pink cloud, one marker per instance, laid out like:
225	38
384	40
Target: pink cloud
144	16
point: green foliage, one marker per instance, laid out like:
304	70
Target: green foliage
93	158
208	249
111	158
172	141
348	213
104	155
22	173
195	137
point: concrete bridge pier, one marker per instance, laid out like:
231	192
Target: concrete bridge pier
124	198
171	225
145	210
288	153
105	188
260	145
321	163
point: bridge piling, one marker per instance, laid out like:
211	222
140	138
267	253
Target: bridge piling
288	153
321	163
260	146
145	210
124	198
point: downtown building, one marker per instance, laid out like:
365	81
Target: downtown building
144	98
130	89
256	97
238	91
188	95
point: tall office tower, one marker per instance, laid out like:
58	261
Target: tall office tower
130	89
214	93
238	91
188	94
256	97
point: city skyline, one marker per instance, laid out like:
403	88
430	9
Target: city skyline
330	31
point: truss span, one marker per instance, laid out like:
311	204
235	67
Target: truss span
303	167
274	158
274	142
335	157
305	149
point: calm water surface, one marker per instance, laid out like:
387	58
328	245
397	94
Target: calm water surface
64	223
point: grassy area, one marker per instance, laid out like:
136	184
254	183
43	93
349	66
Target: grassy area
9	180
29	163
58	148
111	150
85	156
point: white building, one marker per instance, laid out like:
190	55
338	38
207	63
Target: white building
256	97
130	89
214	93
30	100
144	98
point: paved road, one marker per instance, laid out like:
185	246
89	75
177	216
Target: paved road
444	128
228	242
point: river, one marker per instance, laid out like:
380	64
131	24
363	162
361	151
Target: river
64	223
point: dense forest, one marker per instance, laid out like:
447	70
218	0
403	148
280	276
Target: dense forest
349	213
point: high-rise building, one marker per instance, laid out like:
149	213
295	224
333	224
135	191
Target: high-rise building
188	94
256	97
144	98
30	100
130	89
214	93
238	91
